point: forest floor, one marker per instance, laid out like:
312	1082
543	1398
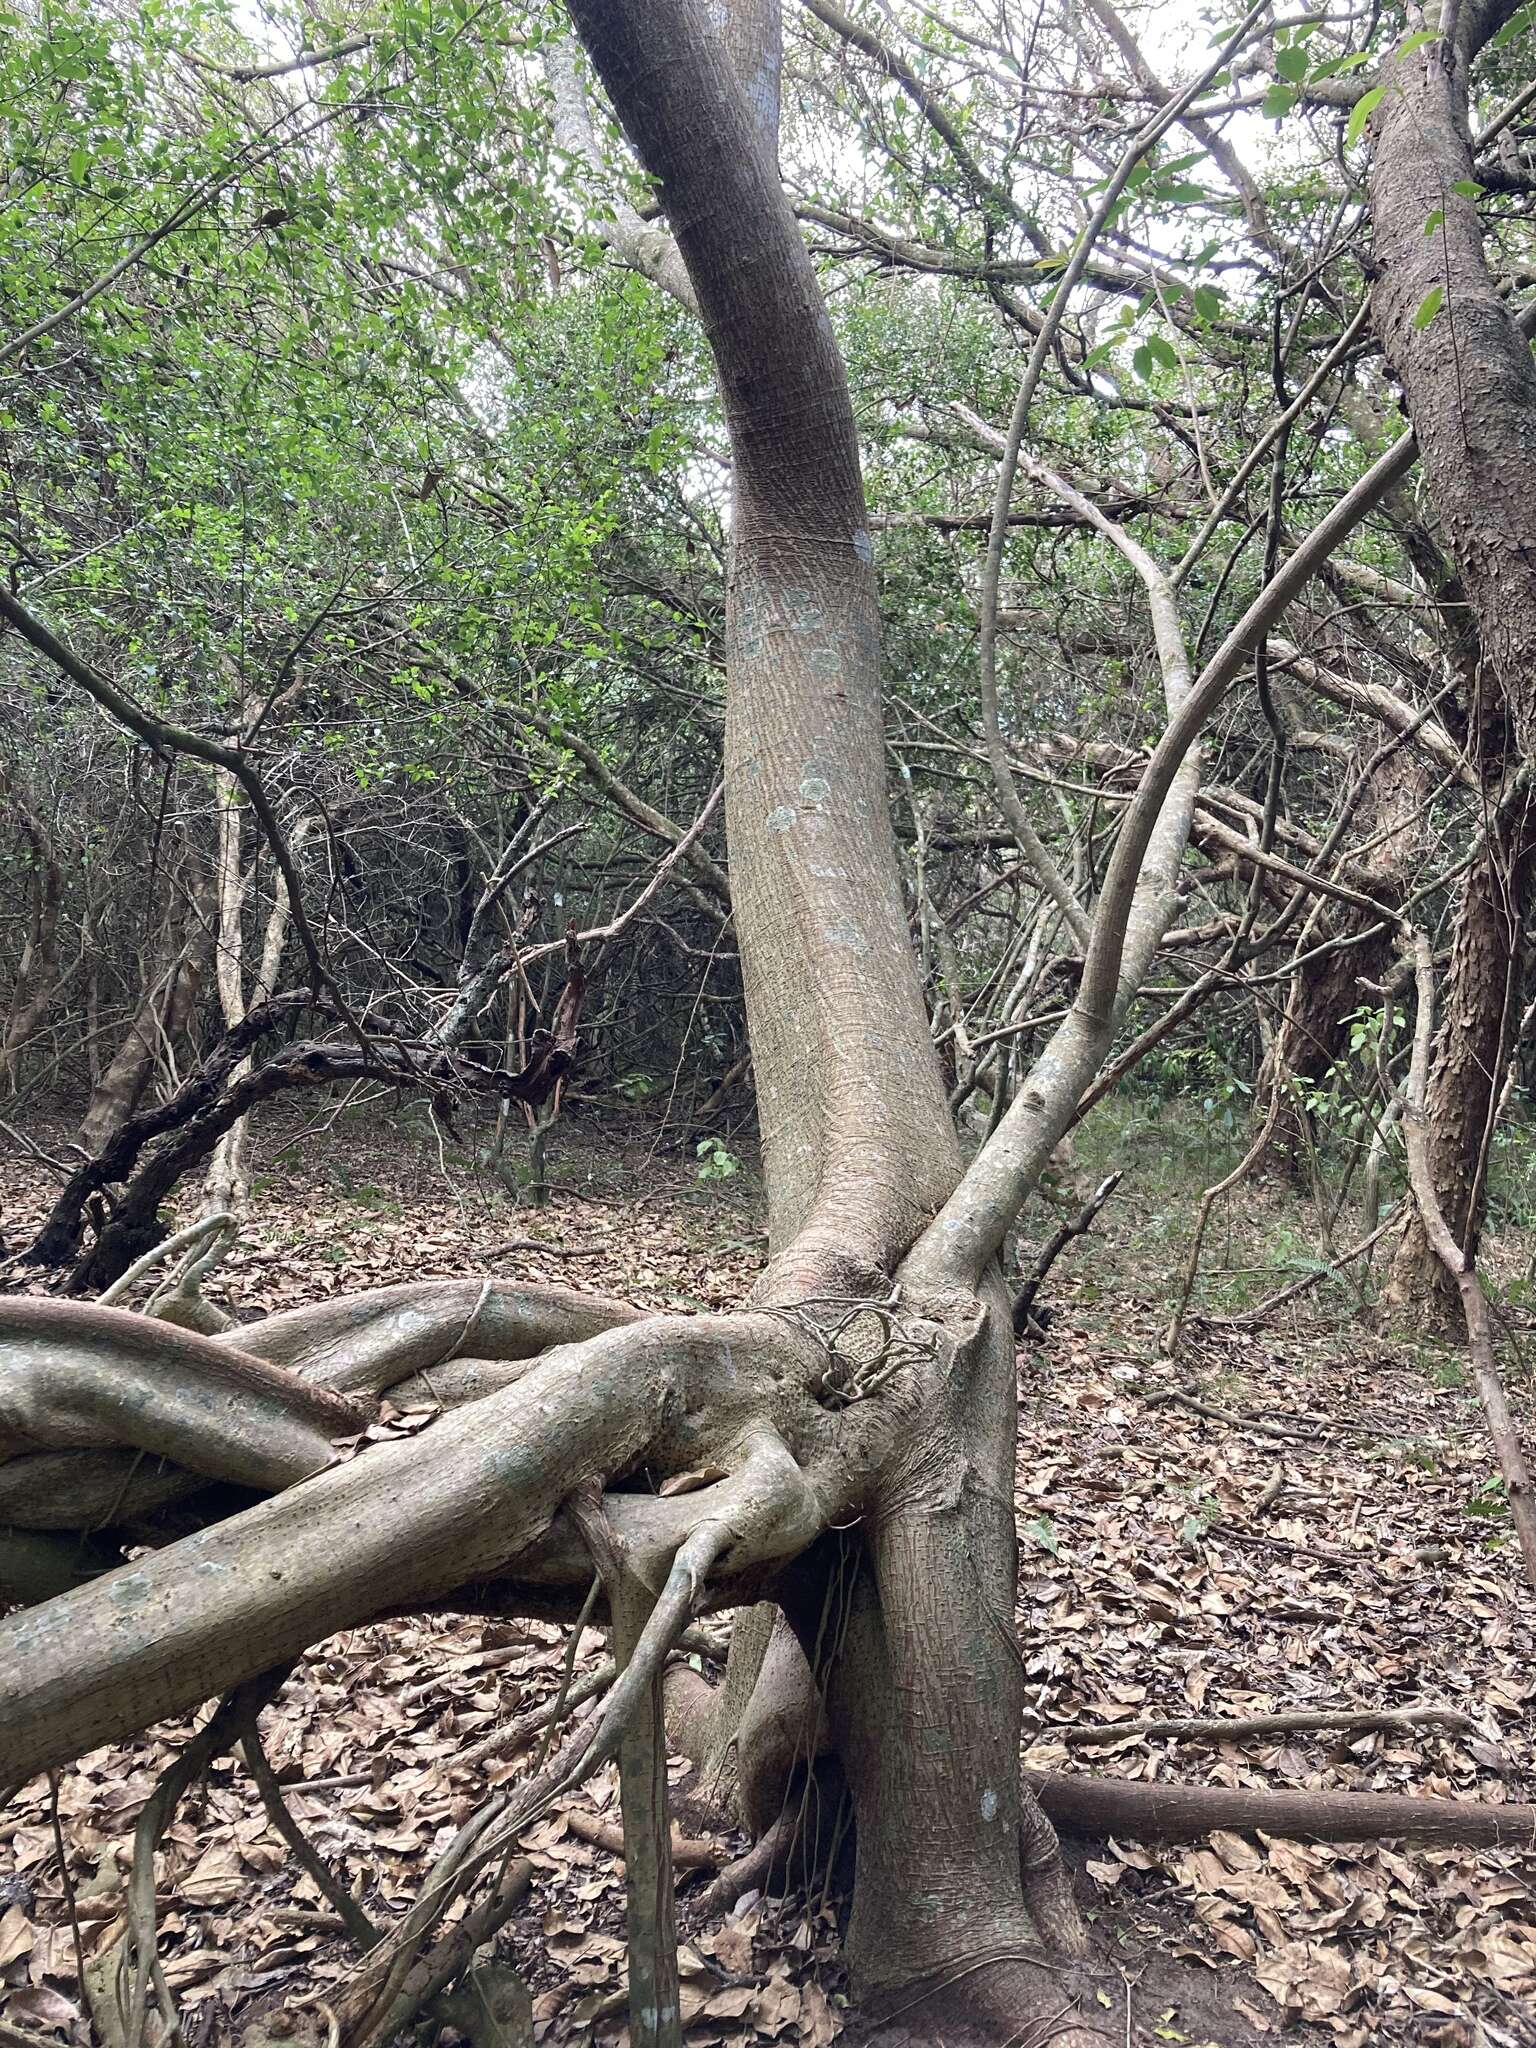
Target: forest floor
1330	1540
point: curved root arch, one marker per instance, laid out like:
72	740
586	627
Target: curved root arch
561	1391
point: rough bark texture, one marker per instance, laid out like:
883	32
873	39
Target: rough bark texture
1470	384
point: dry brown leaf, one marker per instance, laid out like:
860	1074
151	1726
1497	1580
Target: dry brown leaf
1305	1978
16	1936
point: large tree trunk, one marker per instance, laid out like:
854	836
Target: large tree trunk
1466	372
858	1148
861	1408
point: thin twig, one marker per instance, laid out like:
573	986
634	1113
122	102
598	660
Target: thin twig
1217	1729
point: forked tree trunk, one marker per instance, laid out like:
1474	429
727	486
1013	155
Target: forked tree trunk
862	1408
1466	371
858	1149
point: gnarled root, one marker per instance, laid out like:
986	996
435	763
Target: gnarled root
107	1417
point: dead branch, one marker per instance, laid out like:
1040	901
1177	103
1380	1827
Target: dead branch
1055	1245
687	1853
1176	1397
1217	1729
1250	1317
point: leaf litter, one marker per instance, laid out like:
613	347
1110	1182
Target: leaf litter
1166	1573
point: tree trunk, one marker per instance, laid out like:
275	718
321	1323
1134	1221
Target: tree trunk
172	977
1313	1034
858	1148
227	1184
1476	1041
170	984
38	970
1467	375
861	1409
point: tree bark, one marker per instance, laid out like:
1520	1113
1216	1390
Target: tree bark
1313	1034
863	1408
38	970
858	1148
171	978
227	1183
1466	372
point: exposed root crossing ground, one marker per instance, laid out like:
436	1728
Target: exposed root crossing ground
1318	1544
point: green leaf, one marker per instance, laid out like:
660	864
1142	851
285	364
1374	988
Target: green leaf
1338	65
1043	1530
1468	188
1436	220
1278	101
1208	301
1416	42
1162	352
1429	305
1291	64
1141	362
1365	106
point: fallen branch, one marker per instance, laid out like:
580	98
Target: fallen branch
550	1251
1055	1245
1217	1729
1083	1805
1273	1488
687	1853
1234	1419
1252	1316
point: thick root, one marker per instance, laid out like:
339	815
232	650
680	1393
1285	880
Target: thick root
1002	2001
74	1376
1185	1813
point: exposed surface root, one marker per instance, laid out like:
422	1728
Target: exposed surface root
1185	1813
1007	2001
